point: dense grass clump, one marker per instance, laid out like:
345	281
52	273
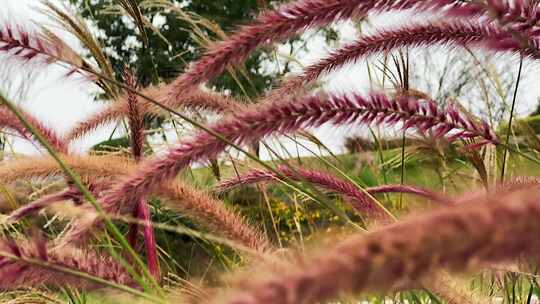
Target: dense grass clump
446	211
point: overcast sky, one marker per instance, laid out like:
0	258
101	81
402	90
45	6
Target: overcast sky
62	102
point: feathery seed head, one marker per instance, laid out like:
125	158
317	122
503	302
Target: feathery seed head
255	123
20	272
402	254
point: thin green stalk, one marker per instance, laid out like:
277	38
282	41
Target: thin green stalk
88	196
274	225
405	84
402	178
522	154
510	119
380	153
530	294
382	166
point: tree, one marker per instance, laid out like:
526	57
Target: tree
175	37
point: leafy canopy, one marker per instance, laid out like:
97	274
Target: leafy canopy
176	37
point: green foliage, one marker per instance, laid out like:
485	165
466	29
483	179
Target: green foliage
293	217
176	43
112	145
532	121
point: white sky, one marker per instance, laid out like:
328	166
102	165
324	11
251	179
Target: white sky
62	102
59	101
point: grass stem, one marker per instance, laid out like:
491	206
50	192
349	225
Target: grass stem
510	119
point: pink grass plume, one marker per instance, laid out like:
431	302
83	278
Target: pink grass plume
451	33
294	115
361	202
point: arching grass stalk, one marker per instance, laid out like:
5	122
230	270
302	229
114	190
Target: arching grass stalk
90	198
510	119
380	153
402	169
81	274
348	178
177	196
292	184
317	192
404	76
359	201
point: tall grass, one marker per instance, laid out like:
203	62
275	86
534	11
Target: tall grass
120	218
